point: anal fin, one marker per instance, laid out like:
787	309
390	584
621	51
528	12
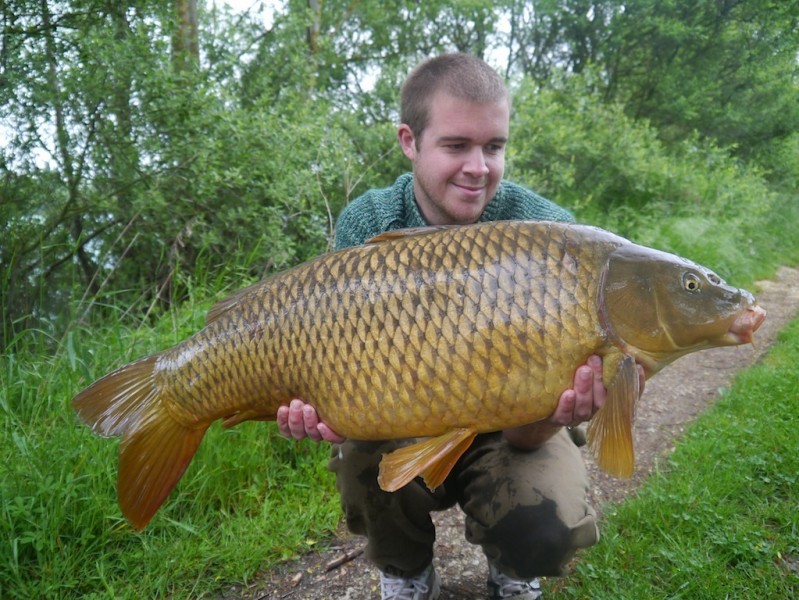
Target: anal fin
245	415
432	458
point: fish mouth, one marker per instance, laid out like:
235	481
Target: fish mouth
743	327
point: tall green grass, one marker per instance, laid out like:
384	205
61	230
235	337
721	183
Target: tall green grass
742	244
721	518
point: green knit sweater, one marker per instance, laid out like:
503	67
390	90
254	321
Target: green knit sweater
387	209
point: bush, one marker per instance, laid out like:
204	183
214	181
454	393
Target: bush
692	198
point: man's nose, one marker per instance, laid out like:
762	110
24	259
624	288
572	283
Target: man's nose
476	163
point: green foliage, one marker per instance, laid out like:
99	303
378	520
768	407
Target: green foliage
708	66
593	157
719	520
550	37
121	169
691	197
722	71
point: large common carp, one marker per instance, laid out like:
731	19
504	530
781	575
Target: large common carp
437	332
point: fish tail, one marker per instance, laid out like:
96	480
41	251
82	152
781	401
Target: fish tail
610	432
155	448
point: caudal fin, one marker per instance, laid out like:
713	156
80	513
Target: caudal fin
155	448
610	432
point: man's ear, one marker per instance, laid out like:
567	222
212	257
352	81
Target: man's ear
407	141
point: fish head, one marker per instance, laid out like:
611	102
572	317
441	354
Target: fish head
660	306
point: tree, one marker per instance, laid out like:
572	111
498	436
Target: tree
684	66
547	38
77	75
705	66
185	40
55	115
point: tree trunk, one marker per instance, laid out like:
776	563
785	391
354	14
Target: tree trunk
185	41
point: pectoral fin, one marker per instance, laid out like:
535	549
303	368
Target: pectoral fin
432	458
610	432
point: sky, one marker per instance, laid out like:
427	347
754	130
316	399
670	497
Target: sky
266	6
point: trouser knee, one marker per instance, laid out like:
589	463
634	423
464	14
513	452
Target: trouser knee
397	525
532	541
528	510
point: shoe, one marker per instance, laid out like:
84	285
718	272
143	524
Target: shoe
501	586
425	586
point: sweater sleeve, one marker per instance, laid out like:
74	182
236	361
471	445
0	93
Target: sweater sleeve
352	229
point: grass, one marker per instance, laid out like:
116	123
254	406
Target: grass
718	522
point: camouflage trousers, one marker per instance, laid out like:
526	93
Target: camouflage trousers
527	509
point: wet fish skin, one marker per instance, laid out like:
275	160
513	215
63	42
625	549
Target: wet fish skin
445	332
408	325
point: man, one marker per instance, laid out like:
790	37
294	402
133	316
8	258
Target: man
523	490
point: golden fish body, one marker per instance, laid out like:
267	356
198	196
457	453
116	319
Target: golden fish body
442	332
403	338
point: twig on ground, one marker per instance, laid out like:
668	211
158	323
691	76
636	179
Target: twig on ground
344	558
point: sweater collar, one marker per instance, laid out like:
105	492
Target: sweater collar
414	216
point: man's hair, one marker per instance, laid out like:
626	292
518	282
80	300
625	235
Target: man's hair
461	75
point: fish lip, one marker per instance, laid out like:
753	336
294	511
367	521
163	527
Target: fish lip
743	327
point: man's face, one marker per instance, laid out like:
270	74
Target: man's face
459	160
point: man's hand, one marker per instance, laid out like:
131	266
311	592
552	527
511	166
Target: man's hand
576	405
299	420
584	399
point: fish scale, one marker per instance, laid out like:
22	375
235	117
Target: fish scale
441	332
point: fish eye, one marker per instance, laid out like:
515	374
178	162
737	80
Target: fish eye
691	282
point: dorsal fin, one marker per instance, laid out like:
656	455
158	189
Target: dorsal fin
407	232
225	304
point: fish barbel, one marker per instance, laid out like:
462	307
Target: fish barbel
441	332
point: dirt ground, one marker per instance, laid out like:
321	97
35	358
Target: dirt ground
671	401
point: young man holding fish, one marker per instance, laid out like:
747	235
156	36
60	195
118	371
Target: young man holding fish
523	489
443	333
